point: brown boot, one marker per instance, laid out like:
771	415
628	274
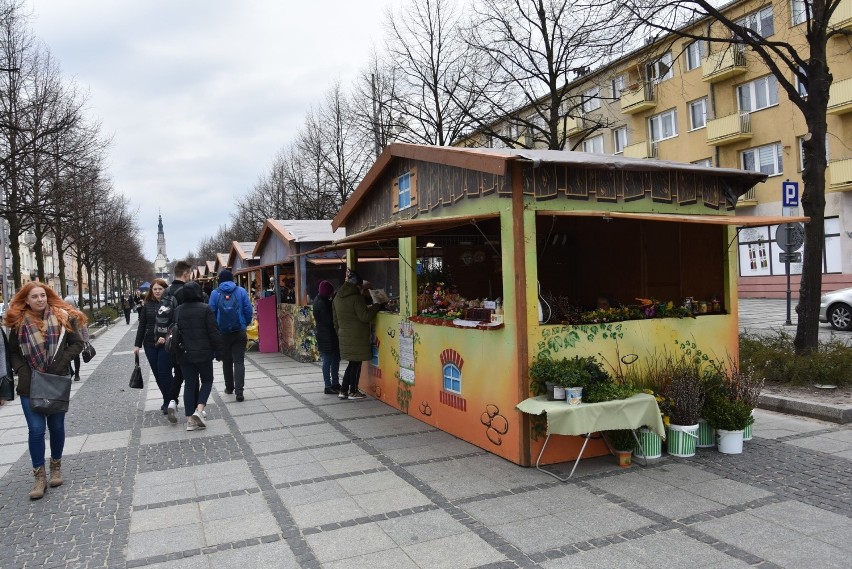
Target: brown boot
55	473
40	484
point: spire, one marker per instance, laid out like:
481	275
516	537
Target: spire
160	226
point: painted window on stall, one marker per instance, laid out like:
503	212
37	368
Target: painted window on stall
405	191
452	378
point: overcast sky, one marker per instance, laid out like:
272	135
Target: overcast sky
199	95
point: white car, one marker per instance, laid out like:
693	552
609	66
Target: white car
836	309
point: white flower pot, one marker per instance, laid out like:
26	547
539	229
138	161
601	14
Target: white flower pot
730	442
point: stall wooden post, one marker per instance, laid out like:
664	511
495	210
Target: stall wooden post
276	283
408	276
301	278
521	307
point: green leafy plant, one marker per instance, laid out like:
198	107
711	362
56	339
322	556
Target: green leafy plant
620	439
599	392
685	390
724	413
773	357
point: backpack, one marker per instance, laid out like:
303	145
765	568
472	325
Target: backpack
166	312
228	312
174	340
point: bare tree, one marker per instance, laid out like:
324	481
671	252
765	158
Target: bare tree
345	158
790	58
372	105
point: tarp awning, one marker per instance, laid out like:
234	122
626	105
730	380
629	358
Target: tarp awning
402	228
737	220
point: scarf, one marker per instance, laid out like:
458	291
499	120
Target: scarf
37	346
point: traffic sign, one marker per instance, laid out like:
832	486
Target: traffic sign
790	236
790	194
789	257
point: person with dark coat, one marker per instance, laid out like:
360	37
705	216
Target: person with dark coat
327	343
182	272
158	358
352	318
126	306
200	338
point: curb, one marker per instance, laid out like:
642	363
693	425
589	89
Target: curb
825	412
94	334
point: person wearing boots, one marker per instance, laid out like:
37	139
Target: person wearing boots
327	343
36	318
352	318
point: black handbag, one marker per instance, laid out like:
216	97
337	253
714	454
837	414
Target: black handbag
49	392
7	388
88	352
136	376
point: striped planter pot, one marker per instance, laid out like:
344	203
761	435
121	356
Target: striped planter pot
706	435
749	430
682	440
650	444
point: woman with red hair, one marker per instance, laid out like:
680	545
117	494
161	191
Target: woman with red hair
36	318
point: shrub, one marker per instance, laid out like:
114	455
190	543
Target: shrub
773	357
686	392
723	413
620	439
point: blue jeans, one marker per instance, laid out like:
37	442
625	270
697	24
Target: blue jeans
161	366
37	424
331	369
192	393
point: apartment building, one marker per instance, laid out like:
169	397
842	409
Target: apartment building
718	105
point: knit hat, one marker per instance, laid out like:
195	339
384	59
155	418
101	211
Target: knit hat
225	275
354	278
326	288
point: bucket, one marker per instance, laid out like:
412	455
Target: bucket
574	395
730	442
650	444
682	440
558	393
706	435
749	430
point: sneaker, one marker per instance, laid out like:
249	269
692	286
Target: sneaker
331	391
77	377
357	395
240	396
204	414
342	395
172	412
191	423
199	420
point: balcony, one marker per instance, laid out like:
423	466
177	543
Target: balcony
748	199
729	129
840	96
842	17
575	126
840	175
723	64
639	98
641	150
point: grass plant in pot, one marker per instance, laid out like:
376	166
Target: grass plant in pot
686	393
622	443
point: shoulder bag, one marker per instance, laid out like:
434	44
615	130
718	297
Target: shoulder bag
50	393
136	376
88	352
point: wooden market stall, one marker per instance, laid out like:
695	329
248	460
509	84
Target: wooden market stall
480	230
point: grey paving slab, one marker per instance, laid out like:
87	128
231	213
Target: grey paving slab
276	554
309	494
453	552
387	559
327	511
165	540
607	558
671	550
422	527
391	499
349	542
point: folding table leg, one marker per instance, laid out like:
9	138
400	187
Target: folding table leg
644	462
576	461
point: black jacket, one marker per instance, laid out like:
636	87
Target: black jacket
197	324
326	336
147	320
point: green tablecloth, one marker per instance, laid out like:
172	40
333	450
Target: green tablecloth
565	419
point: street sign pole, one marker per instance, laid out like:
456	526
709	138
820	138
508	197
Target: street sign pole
789	322
790	200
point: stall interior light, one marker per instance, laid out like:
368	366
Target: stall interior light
430	244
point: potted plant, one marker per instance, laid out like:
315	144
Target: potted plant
746	386
686	393
729	418
544	376
622	443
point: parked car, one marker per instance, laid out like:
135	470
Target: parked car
836	309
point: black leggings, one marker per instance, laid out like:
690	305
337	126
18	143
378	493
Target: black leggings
76	365
351	377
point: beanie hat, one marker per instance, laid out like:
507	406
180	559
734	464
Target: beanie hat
326	288
354	278
225	275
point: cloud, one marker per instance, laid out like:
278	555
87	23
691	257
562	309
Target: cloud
199	95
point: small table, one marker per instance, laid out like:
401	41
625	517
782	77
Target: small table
587	418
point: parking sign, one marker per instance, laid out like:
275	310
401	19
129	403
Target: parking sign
790	194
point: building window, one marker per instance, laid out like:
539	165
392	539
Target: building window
694	53
698	114
800	87
799	11
619	139
765	159
661	69
617	86
706	162
594	144
801	142
759	22
404	184
663	125
452	378
758	94
592	100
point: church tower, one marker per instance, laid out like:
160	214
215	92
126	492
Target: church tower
161	263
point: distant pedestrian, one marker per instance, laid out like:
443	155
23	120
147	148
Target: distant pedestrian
201	338
352	318
171	299
126	306
327	343
158	358
232	308
38	319
84	334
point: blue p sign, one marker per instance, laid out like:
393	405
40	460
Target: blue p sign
790	191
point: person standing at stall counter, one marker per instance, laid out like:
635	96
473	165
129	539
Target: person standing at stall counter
352	318
327	343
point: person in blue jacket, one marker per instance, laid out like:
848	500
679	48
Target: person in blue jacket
233	310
